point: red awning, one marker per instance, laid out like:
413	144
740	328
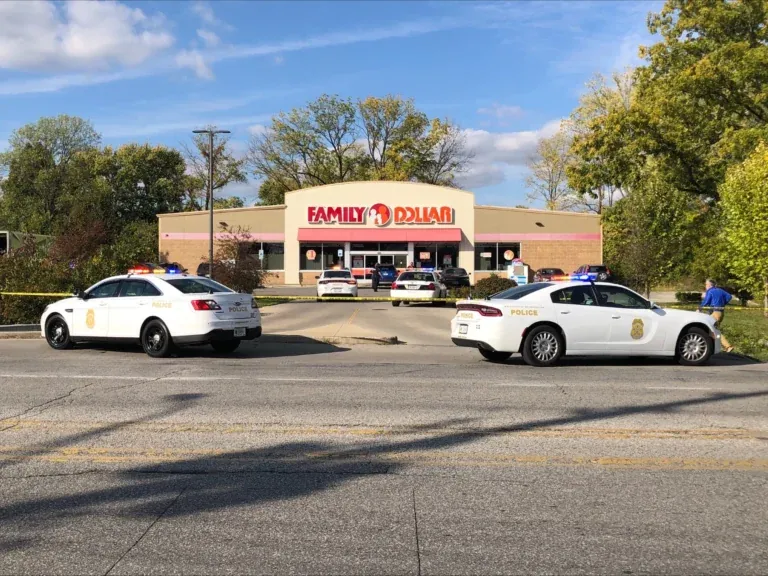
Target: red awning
379	234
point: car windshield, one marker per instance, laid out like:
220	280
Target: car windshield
197	286
337	274
520	291
551	271
455	272
597	268
416	277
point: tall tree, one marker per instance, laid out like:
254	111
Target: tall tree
228	202
227	167
745	233
547	181
337	140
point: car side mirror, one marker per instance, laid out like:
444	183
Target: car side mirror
81	294
655	306
317	277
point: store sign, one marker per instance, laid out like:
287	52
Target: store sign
380	215
311	254
425	255
486	255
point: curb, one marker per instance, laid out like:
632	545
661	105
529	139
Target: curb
19	335
19	327
351	341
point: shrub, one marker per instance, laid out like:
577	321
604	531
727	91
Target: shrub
461	292
233	266
688	297
492	285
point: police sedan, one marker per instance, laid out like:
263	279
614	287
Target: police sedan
156	309
418	285
546	320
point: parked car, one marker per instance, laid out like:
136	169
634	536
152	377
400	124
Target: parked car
387	274
418	285
455	277
336	283
596	271
546	274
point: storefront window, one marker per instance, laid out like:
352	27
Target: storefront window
425	255
401	261
364	247
394	247
485	257
274	256
447	255
331	256
310	256
507	253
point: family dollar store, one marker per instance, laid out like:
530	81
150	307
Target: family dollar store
356	225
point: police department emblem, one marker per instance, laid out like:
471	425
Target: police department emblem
90	319
637	329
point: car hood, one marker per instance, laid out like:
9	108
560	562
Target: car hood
689	315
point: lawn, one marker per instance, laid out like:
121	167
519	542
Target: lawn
747	331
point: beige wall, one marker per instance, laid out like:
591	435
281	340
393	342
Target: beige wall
269	219
492	219
369	193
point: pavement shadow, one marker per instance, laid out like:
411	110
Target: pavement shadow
212	482
576	361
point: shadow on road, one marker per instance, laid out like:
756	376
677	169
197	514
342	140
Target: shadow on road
244	478
587	361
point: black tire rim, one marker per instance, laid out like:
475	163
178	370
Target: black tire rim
57	332
154	339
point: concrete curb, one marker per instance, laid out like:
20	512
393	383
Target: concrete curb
351	341
19	335
19	327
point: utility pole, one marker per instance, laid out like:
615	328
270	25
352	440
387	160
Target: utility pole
210	132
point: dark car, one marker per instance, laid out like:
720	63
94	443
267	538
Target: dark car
387	274
598	271
546	274
455	277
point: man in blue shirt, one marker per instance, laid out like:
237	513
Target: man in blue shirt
716	299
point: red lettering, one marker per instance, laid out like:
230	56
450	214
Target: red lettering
410	215
433	215
399	214
446	215
333	214
321	216
359	211
312	214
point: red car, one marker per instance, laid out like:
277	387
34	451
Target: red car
546	274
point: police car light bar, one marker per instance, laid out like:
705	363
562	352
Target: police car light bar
575	278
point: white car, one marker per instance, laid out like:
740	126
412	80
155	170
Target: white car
417	286
336	283
543	321
156	310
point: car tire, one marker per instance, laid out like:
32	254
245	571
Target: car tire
543	346
156	339
602	277
395	303
694	347
225	346
495	357
57	333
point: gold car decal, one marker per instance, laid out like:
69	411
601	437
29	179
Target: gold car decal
524	312
162	305
637	329
90	318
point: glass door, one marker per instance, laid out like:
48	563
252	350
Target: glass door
370	261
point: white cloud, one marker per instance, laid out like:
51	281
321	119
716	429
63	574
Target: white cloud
279	59
501	112
41	35
195	61
495	153
205	13
209	38
258	129
150	128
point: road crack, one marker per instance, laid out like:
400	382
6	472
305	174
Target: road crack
416	530
44	406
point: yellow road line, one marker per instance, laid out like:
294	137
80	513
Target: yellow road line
235	428
443	459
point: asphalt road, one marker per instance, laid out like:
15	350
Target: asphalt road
317	459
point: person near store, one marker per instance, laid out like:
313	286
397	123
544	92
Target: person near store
715	300
375	277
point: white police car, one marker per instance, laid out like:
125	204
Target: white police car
156	307
546	320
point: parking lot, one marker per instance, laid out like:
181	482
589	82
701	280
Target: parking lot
295	455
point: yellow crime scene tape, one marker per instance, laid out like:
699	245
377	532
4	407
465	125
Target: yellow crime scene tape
363	299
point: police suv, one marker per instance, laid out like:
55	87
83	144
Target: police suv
546	320
157	307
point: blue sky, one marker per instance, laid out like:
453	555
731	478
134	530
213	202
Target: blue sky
152	71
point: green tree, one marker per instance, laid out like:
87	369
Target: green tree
229	202
546	181
337	140
227	168
647	234
745	229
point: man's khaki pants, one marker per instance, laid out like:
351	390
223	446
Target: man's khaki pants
718	315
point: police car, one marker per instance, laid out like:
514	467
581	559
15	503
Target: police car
546	320
157	307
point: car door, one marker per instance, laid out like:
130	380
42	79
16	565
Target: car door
635	328
90	317
582	321
132	305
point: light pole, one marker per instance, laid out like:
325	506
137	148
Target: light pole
210	133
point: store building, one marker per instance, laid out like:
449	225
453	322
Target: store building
357	224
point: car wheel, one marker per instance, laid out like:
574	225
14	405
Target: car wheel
395	303
694	347
156	340
57	333
225	346
543	346
602	277
494	356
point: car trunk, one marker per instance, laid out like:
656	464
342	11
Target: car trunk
233	306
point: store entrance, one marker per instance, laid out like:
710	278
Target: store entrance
365	256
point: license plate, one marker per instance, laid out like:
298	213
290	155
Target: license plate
463	328
239	332
413	286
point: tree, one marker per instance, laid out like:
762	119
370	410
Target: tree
227	167
745	230
702	97
647	234
602	161
547	181
229	202
335	140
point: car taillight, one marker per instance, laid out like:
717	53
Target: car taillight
205	305
351	282
482	310
430	286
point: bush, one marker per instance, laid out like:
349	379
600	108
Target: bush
688	297
744	296
461	292
234	267
492	285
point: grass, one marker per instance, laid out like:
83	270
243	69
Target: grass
264	302
747	331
